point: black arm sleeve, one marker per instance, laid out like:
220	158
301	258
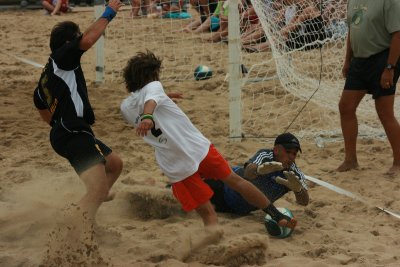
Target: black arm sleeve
38	101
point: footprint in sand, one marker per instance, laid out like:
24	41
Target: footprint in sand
153	203
246	249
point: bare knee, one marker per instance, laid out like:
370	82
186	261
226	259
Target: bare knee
346	109
114	165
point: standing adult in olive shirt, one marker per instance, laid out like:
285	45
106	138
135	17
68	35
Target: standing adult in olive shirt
371	67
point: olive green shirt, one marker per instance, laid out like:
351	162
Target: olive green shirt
371	23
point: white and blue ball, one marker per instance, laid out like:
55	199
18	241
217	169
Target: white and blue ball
202	72
274	229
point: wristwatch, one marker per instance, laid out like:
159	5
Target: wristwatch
390	66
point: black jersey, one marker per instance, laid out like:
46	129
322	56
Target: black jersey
62	87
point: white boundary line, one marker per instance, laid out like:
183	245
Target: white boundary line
27	61
349	194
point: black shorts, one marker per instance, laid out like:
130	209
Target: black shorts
365	74
76	142
314	31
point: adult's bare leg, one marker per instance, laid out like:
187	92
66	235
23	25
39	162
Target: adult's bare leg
385	108
348	104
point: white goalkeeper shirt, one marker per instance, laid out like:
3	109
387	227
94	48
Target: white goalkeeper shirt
179	145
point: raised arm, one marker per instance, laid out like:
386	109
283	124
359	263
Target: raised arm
96	30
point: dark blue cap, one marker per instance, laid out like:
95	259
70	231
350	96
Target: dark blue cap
288	141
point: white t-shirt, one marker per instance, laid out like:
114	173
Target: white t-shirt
179	145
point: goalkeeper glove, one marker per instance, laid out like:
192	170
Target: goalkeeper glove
269	167
292	182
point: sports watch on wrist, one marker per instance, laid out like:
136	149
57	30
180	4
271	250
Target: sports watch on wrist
390	66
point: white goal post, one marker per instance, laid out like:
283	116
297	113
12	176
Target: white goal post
235	99
99	46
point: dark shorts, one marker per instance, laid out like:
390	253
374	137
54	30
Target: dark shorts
314	31
218	199
218	187
76	142
365	74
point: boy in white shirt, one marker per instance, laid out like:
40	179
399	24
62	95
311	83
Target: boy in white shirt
182	152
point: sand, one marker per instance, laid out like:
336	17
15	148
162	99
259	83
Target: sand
144	225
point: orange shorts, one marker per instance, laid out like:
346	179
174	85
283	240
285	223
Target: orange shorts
193	191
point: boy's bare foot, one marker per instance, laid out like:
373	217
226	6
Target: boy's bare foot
347	166
212	235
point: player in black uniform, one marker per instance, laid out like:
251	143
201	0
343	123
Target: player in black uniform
61	98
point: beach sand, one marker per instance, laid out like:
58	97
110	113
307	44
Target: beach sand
144	225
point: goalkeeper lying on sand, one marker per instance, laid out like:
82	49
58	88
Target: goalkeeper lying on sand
268	171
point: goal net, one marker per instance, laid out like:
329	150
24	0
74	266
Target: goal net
296	86
291	67
181	51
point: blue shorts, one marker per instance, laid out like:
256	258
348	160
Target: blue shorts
214	22
365	74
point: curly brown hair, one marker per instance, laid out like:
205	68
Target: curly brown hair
141	69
